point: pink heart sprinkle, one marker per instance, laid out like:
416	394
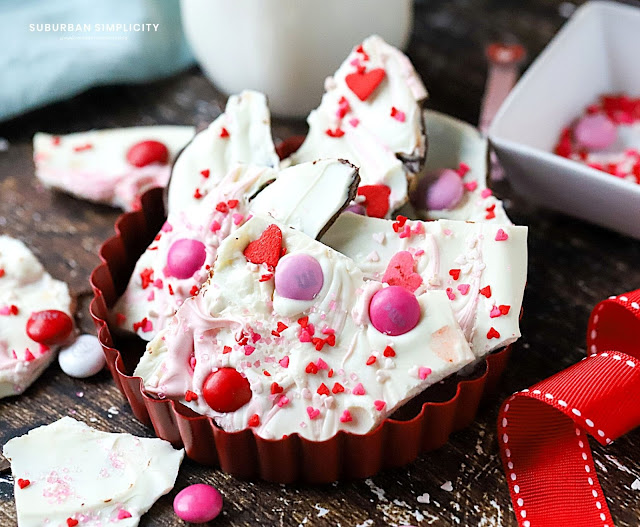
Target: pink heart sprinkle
151	296
486	193
237	218
283	401
379	405
501	236
358	389
123	515
346	417
495	312
354	122
166	227
215	226
284	362
451	294
304	336
423	372
28	356
312	412
248	350
463	168
471	186
322	365
463	288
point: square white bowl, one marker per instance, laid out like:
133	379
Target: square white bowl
596	52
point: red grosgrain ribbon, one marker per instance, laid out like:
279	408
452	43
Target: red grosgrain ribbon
543	430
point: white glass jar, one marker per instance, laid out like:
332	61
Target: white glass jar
286	48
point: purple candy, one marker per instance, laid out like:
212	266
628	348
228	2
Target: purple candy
185	258
394	310
299	277
595	132
446	191
356	208
198	503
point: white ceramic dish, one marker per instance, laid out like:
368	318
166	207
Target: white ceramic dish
596	52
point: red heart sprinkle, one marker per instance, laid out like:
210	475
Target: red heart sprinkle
454	273
205	173
190	396
400	272
226	390
71	522
303	321
276	388
146	152
22	483
281	327
486	291
389	352
504	309
1	273
493	334
265	249
254	420
323	390
197	194
337	388
311	368
233	203
371	360
376	199
364	83
49	327
224	133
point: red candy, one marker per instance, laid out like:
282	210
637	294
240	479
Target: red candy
146	152
364	83
50	327
376	199
267	248
226	390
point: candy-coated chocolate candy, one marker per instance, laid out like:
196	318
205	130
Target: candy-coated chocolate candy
50	327
299	277
595	132
83	358
394	310
198	503
440	191
356	208
146	152
185	257
226	390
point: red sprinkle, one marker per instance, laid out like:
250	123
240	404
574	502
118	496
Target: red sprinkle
323	390
205	173
311	368
23	483
331	339
197	194
281	327
222	207
190	396
146	275
371	360
233	203
389	352
72	522
82	148
303	321
276	388
493	334
337	388
2	272
265	278
486	291
224	133
338	132
454	273
194	290
254	420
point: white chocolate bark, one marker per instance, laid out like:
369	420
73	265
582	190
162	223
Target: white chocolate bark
96	478
93	165
25	287
242	134
372	137
154	294
355	385
452	142
440	248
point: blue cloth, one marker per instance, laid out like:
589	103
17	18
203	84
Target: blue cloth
40	67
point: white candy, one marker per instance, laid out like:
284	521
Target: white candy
83	358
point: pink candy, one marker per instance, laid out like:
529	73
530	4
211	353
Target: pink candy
394	311
595	132
198	503
440	191
299	277
185	258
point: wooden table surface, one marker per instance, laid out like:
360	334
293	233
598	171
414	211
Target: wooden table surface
572	265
